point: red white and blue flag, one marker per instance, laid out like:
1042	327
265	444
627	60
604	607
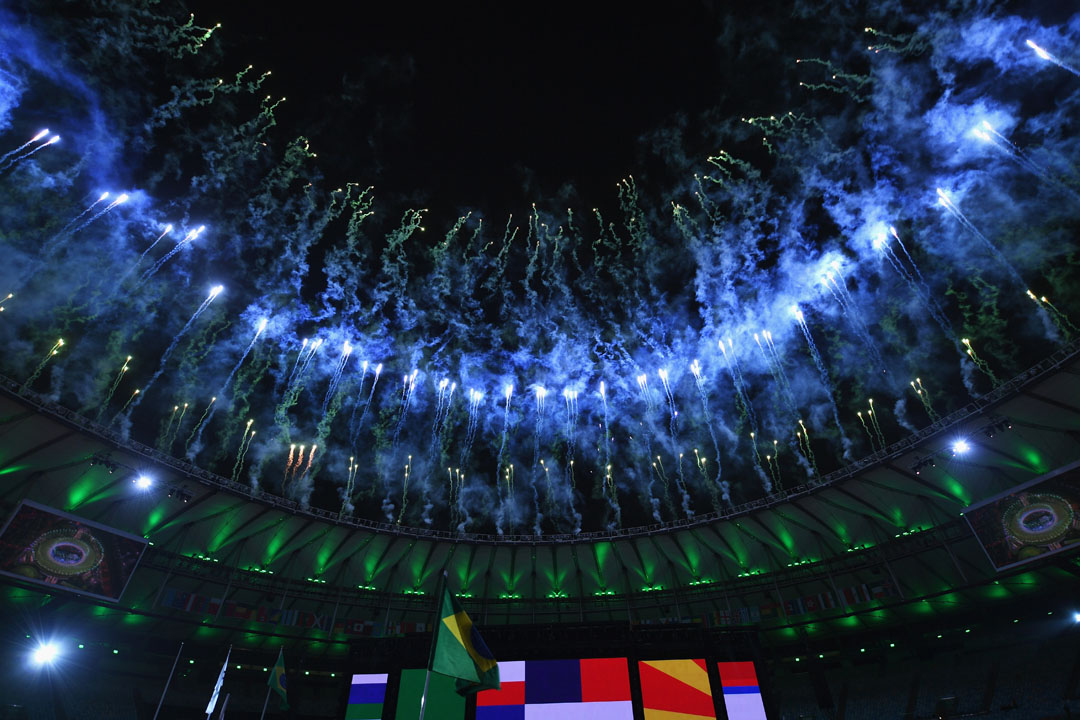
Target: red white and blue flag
588	689
742	696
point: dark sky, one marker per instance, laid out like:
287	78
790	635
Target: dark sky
486	107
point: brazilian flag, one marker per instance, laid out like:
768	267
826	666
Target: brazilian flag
276	681
460	652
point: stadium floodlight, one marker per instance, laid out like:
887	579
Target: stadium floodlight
1076	617
45	653
961	447
143	482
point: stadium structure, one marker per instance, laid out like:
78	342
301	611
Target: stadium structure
867	593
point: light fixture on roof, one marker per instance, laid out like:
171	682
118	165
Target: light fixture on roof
961	447
143	482
45	653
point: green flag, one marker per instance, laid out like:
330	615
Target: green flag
276	681
460	652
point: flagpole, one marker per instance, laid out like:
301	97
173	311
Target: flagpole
169	680
265	703
281	655
434	637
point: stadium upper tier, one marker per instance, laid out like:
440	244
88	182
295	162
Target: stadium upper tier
885	532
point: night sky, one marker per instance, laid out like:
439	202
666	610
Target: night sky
533	271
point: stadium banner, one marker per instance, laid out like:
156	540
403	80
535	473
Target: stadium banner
1030	521
443	701
586	689
367	693
676	690
205	605
742	696
851	595
48	547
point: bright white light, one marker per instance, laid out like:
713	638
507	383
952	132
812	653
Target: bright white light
1038	50
961	447
45	653
216	290
122	199
143	482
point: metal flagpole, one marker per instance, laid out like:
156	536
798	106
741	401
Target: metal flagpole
434	638
168	681
281	656
265	702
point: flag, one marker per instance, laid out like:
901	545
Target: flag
217	687
276	681
460	652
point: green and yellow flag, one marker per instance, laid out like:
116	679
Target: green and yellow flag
276	681
460	652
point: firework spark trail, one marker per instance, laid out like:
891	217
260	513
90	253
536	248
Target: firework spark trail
241	450
296	365
16	160
5	299
135	266
607	431
475	396
54	350
541	402
167	439
983	366
673	430
508	392
826	382
866	427
875	424
1047	56
946	202
646	392
135	394
120	200
441	394
661	472
160	442
307	468
350	485
288	465
737	381
405	491
356	405
71	223
197	430
809	450
196	435
673	413
112	389
699	382
924	398
335	378
1060	319
989	135
367	405
184	242
779	374
408	389
25	145
214	292
915	281
847	304
766	483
